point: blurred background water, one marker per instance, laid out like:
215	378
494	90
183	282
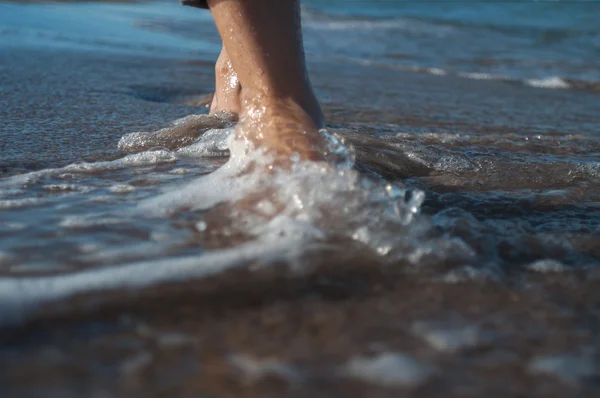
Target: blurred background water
520	39
548	42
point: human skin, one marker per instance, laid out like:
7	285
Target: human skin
278	109
227	86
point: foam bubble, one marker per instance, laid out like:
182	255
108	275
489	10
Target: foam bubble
136	363
388	370
546	265
451	335
213	143
253	369
86	221
63	188
182	132
283	211
11	204
436	71
143	159
7	192
548	82
15	226
21	298
569	368
180	171
170	340
481	76
488	272
149	158
315	200
121	188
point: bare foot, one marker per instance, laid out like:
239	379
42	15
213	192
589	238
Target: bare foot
282	128
227	86
279	111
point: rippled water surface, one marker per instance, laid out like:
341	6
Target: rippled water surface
452	241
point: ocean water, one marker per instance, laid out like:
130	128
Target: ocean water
463	154
542	43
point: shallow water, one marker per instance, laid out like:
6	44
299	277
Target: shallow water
454	238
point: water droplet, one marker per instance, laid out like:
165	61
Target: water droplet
201	226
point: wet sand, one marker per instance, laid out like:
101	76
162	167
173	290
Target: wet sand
262	334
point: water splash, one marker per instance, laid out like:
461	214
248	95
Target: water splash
246	211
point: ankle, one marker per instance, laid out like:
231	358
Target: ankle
255	103
227	86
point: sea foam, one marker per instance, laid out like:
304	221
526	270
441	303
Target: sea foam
282	212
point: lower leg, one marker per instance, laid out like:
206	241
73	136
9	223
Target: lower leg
227	86
263	40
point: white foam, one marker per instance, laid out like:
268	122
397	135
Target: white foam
548	82
310	199
7	192
102	199
450	336
283	210
121	188
15	226
468	273
86	221
64	188
571	369
213	143
136	363
181	132
395	24
436	71
190	119
148	158
139	251
253	369
388	370
11	204
169	340
481	76
436	250
20	298
546	265
553	82
180	171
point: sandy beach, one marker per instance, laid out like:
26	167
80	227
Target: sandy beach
509	171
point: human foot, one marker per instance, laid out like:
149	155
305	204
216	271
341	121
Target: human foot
282	128
279	111
227	86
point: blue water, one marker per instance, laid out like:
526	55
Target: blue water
111	27
517	40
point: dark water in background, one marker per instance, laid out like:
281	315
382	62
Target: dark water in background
491	109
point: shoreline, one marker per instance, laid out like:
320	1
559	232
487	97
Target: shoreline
189	80
346	327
